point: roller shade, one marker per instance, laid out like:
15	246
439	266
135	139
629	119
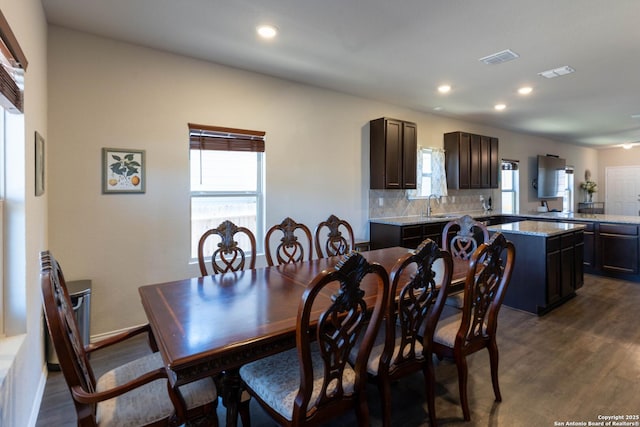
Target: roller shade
204	137
13	64
510	165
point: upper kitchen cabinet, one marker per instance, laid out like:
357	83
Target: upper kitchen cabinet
393	154
471	160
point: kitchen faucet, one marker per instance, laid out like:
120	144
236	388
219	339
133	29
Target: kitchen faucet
429	203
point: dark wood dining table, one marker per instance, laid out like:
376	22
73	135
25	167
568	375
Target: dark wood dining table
209	325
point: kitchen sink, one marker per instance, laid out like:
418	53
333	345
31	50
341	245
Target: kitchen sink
443	216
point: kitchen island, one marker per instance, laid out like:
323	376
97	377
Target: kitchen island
549	264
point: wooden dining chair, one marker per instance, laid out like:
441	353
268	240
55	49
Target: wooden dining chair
291	248
228	256
314	382
475	326
335	243
461	237
134	394
403	345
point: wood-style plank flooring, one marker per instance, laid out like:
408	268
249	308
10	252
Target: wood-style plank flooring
576	363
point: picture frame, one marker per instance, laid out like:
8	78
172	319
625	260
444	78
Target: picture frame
123	171
39	164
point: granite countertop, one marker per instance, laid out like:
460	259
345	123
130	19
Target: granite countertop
618	219
417	219
536	228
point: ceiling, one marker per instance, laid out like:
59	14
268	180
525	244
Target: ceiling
400	51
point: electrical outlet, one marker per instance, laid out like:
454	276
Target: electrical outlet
380	201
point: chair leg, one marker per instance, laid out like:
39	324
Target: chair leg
244	412
362	411
430	388
493	358
461	363
384	389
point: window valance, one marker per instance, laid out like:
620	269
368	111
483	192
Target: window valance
206	137
13	64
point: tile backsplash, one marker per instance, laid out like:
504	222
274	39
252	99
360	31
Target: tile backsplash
394	203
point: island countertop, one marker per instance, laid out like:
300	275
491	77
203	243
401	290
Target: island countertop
536	228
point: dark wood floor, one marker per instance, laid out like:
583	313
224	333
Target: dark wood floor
576	363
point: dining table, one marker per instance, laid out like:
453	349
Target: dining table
212	325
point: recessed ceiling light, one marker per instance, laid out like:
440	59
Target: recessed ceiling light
438	108
525	90
444	88
500	107
635	116
627	146
267	31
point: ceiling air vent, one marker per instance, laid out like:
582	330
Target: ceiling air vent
557	72
500	57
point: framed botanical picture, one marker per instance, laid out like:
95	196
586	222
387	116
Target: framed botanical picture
123	171
39	164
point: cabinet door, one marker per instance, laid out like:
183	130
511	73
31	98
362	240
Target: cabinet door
485	162
567	265
494	163
475	169
393	154
619	253
410	155
578	263
553	276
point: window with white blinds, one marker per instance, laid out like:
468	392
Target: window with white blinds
227	180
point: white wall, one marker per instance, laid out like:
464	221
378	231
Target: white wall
24	381
104	93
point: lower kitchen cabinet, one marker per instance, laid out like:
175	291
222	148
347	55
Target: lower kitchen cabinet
618	248
408	236
547	272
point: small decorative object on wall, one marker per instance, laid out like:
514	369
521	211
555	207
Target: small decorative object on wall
39	166
123	171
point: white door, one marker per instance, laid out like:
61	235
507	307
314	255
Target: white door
623	190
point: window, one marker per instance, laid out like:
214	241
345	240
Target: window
509	184
431	173
425	172
565	185
13	65
227	181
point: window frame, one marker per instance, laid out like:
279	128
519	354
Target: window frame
513	168
216	138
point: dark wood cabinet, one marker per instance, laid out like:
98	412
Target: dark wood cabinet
393	154
618	248
408	236
471	160
547	273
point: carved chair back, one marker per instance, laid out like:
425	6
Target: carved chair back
336	333
410	323
228	256
470	234
291	248
64	331
335	242
489	274
419	303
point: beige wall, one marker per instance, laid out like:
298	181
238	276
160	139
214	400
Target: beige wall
22	373
104	93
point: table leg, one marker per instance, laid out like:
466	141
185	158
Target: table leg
231	392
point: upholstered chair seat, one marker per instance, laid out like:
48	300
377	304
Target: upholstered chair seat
276	380
148	403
